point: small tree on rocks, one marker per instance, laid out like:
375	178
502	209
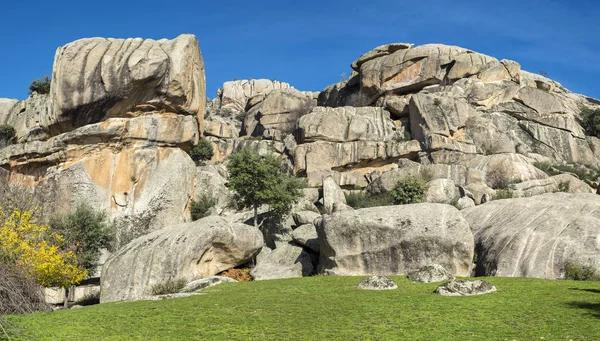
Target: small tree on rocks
259	180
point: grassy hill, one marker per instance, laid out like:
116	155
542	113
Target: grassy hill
331	308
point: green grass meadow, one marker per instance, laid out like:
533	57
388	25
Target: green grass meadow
332	308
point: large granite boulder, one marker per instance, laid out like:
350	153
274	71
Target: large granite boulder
285	261
234	95
187	251
395	240
536	236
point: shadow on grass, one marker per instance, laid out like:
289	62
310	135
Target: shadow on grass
594	291
594	308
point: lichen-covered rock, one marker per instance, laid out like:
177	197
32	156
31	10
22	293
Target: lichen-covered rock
441	191
465	288
429	274
332	194
395	240
536	236
188	251
377	283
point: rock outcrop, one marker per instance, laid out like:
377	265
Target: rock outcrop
429	274
187	251
395	240
377	283
465	288
536	236
113	130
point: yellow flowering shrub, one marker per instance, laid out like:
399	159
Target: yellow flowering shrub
36	250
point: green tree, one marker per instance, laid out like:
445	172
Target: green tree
40	85
259	180
201	152
85	232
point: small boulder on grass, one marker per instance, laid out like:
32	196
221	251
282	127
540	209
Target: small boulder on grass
465	288
377	283
205	283
429	274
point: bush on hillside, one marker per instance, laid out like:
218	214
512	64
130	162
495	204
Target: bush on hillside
504	193
590	121
578	272
7	135
19	294
410	190
36	250
364	200
202	152
40	85
85	232
201	208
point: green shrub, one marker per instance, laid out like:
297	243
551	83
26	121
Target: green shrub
364	200
7	134
578	272
201	208
504	193
40	85
201	152
547	167
590	121
171	286
86	233
410	190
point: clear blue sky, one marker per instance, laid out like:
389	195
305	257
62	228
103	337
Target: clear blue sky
309	43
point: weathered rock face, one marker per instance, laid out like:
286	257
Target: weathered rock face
537	236
346	124
276	115
395	240
235	94
377	283
113	130
97	78
188	251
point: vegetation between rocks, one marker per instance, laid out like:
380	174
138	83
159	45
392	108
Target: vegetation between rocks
259	180
590	121
578	272
201	208
171	286
202	152
40	85
7	135
521	309
364	199
410	190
